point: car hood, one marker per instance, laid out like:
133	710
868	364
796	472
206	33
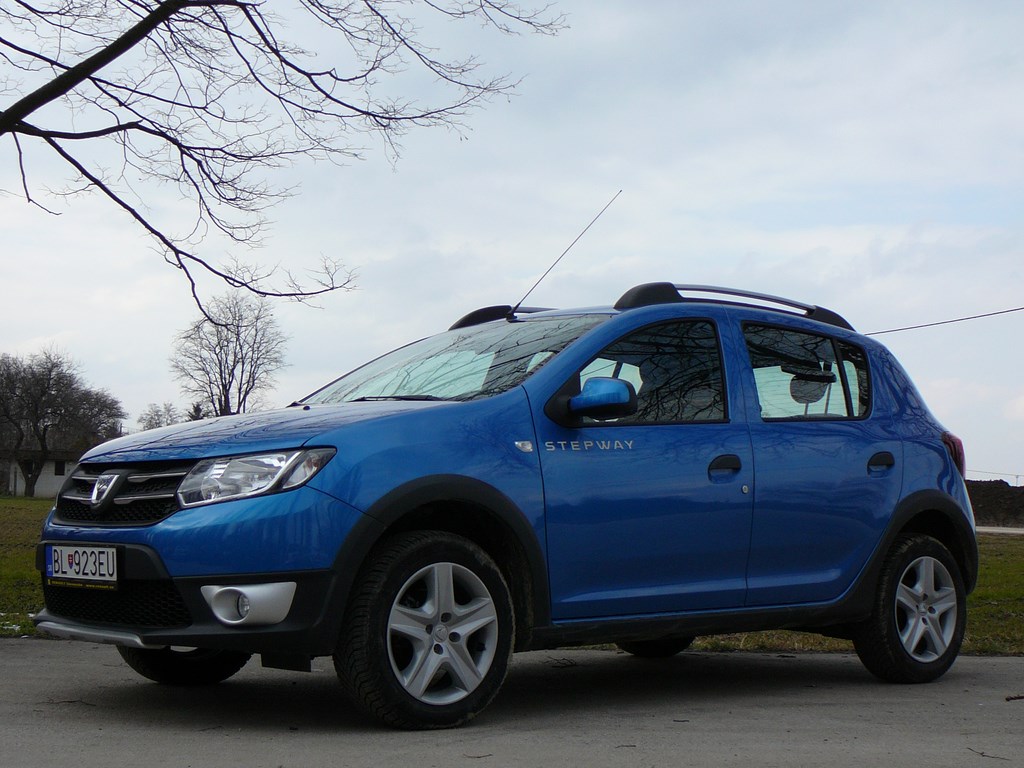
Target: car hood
245	433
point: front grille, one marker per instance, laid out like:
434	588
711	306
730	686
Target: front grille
153	604
141	494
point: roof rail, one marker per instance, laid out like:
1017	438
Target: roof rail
650	294
487	314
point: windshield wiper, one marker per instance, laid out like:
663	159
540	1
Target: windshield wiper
377	398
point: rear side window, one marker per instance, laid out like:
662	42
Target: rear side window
805	376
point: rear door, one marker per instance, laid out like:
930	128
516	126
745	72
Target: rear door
829	470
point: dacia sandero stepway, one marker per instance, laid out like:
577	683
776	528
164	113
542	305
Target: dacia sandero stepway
690	461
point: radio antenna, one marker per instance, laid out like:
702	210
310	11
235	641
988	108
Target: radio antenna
608	205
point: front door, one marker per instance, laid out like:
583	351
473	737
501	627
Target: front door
650	514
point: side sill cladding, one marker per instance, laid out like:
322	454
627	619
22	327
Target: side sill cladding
467	507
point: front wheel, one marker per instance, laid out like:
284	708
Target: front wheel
920	614
191	666
428	633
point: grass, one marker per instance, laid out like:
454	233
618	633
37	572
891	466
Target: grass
995	609
20	589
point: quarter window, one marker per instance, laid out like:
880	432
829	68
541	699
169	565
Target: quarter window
855	366
675	368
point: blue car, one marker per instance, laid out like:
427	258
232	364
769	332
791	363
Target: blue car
690	461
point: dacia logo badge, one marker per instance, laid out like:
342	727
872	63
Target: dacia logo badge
104	485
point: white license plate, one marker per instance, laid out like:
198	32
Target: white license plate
81	565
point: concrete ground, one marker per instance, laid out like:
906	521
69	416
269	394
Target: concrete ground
76	704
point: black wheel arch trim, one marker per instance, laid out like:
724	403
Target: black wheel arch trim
400	509
929	512
959	537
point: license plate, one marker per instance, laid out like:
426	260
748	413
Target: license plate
81	566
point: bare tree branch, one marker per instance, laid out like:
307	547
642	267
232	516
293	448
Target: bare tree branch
184	260
211	95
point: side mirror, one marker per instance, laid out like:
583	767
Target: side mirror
604	398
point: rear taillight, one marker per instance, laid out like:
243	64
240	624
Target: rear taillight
955	446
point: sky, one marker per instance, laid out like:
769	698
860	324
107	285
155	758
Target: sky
867	157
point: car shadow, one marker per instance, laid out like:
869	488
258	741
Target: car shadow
541	685
568	682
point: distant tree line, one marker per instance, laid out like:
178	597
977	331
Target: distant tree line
47	407
156	415
224	362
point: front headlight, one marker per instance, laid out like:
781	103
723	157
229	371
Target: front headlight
236	477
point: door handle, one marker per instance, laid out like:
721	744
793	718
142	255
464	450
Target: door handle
881	460
728	462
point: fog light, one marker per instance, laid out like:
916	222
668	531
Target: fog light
250	604
242	605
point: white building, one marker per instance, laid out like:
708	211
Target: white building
55	471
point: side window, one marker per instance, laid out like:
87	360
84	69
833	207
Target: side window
800	376
675	368
855	366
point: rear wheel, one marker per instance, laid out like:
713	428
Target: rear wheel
662	648
428	633
917	627
190	666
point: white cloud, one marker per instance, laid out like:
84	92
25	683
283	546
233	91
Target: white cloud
867	157
1014	410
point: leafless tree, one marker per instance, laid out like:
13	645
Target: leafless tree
209	95
159	416
46	406
230	355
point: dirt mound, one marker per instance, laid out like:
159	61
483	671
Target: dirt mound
996	502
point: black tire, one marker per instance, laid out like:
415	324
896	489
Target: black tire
920	613
194	666
428	633
662	648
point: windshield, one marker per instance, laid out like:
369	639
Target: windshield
463	364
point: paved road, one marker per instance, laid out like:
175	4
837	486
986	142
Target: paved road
75	704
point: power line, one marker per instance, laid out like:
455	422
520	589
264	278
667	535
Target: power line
1016	476
946	322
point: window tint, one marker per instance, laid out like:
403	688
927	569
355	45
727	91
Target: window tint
675	368
800	376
